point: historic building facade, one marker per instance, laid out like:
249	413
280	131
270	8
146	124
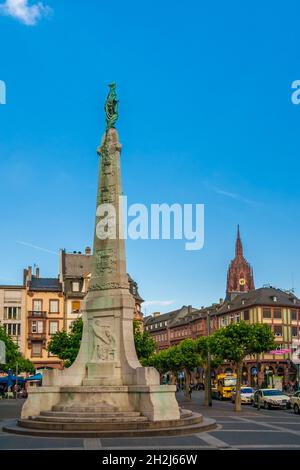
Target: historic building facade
171	328
44	317
13	313
74	276
240	273
278	309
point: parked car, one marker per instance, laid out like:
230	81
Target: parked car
247	394
295	402
271	398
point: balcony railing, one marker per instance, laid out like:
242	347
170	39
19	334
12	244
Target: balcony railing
36	336
37	314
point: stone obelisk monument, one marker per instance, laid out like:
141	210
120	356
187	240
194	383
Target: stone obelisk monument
106	392
107	370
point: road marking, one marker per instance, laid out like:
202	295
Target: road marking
92	444
249	430
269	446
212	441
267	425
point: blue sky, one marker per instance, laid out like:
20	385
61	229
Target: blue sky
205	117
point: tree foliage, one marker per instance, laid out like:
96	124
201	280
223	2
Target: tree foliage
66	345
144	343
14	358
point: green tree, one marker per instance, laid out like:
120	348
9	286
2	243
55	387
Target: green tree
190	359
183	356
203	349
14	357
66	345
144	343
238	340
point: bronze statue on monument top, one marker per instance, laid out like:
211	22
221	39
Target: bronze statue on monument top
111	107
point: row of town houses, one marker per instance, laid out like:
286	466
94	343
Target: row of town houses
39	307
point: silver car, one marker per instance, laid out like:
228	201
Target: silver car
247	394
295	402
271	398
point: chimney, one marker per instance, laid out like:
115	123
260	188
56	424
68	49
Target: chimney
29	273
156	314
25	274
189	309
37	272
88	251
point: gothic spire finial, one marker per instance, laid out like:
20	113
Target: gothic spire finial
238	244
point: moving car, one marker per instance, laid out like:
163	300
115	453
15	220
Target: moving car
247	394
271	398
295	402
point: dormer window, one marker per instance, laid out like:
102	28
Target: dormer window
243	302
75	286
274	298
228	306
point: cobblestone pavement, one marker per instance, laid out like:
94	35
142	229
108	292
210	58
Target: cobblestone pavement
249	429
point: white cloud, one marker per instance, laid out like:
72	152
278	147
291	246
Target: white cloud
160	303
24	12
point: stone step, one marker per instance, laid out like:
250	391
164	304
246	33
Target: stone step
94	419
187	427
90	424
85	408
84	414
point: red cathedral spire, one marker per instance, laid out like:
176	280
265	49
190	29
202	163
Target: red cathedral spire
240	273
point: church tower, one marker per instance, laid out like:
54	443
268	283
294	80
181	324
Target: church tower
240	273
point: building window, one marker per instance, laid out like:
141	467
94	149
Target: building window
37	305
75	286
294	315
294	331
13	329
266	313
37	327
36	349
76	307
246	315
53	306
278	330
277	313
53	327
12	313
224	321
237	318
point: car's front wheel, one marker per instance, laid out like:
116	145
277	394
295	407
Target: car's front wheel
296	409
